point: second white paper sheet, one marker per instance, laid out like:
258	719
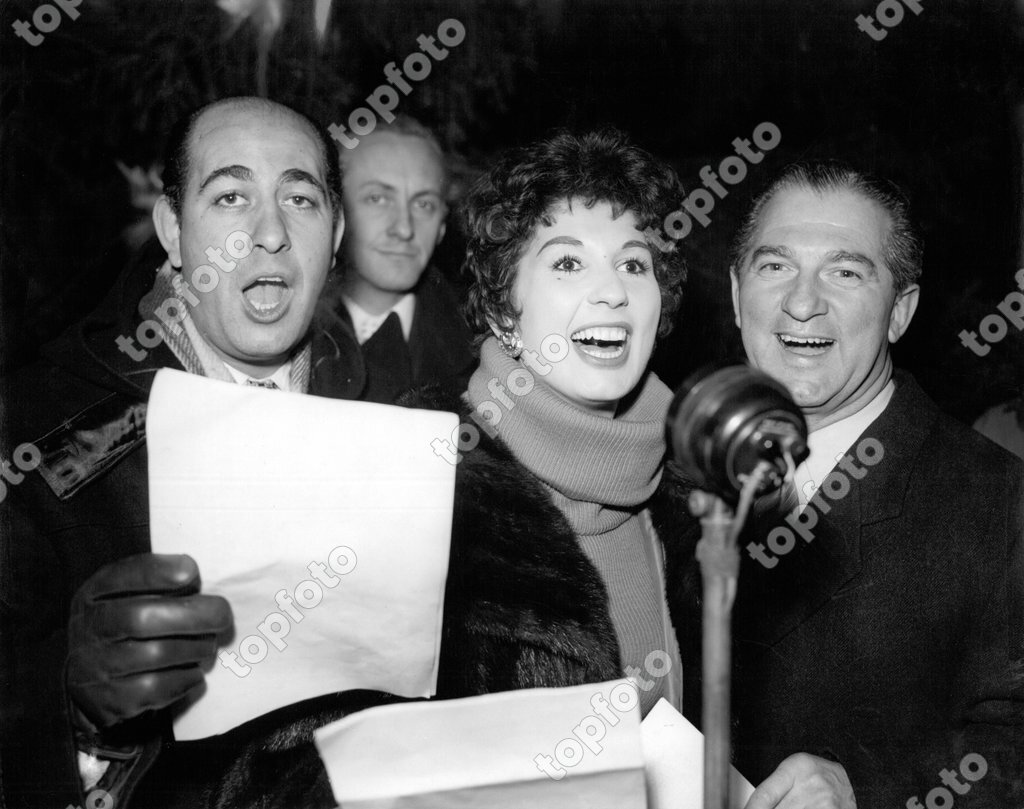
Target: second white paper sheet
326	524
674	755
545	748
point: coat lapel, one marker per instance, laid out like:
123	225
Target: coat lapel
774	601
901	431
338	368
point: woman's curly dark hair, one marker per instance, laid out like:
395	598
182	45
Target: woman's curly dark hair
505	206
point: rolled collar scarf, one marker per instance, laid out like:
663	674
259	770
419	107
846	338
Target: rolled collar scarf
187	344
600	471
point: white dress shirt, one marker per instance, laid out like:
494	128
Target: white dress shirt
829	444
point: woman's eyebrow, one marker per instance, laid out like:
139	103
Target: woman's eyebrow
569	240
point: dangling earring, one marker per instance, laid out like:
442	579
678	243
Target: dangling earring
511	343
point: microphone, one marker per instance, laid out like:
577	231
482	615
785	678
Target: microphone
730	425
736	433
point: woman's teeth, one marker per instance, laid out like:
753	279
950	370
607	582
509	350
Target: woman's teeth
603	342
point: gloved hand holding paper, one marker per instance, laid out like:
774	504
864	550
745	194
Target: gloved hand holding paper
326	525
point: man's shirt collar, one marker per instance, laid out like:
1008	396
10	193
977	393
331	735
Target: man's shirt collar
831	443
366	324
281	377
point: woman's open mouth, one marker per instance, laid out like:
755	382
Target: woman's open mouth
601	342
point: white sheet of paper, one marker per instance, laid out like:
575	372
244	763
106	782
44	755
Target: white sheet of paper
482	751
674	756
257	486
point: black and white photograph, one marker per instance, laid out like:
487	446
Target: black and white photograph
598	404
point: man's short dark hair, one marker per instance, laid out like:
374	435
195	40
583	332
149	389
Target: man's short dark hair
178	157
901	249
507	205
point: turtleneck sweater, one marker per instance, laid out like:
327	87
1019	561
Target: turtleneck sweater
600	473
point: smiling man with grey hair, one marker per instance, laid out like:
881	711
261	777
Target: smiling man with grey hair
883	640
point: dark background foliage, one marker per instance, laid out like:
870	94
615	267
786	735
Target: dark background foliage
938	105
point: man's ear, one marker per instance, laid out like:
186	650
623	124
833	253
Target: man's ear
903	311
440	233
168	229
735	281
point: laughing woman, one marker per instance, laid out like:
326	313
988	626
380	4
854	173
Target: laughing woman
557	573
562	503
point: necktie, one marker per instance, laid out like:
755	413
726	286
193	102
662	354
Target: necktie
270	384
388	362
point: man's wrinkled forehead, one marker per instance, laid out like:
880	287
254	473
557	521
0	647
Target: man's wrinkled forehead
235	134
799	218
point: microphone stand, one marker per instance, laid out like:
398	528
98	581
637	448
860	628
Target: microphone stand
733	431
719	557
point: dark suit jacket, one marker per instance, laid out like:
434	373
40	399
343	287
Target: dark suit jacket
439	341
894	641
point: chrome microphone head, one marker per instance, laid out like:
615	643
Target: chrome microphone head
723	423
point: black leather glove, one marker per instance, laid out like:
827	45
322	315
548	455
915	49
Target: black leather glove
139	637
